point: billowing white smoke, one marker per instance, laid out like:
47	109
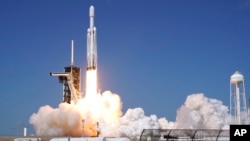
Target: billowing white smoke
64	120
131	124
198	112
78	119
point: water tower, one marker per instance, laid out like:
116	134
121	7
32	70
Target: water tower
238	108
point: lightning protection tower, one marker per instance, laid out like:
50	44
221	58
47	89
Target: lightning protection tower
238	108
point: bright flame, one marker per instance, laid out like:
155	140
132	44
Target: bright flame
97	108
91	83
100	107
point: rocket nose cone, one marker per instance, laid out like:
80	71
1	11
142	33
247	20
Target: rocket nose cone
91	11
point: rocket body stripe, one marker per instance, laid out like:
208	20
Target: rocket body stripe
91	42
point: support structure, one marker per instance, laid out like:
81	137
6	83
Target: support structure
238	106
70	79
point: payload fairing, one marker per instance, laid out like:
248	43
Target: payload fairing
91	42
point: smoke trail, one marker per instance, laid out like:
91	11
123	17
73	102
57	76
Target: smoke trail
198	112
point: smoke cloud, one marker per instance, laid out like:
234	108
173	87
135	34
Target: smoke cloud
200	112
197	112
57	121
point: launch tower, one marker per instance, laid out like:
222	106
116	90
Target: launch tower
70	79
238	108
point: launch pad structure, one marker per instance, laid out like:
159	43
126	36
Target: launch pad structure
70	79
75	74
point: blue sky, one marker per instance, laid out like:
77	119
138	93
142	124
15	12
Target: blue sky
152	53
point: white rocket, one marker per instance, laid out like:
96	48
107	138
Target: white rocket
91	42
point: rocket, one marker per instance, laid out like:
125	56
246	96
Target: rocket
91	42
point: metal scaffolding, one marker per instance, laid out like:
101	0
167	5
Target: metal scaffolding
184	135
